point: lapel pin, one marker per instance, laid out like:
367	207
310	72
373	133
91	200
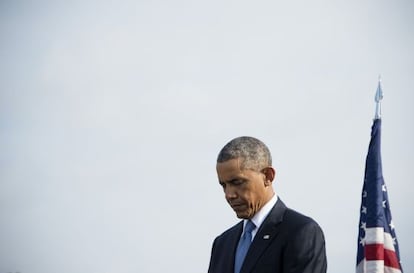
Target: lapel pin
266	237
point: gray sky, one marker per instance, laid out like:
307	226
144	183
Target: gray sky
112	114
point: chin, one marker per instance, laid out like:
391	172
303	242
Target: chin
243	215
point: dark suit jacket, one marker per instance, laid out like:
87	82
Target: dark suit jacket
287	241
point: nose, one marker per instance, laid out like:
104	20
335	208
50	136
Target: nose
230	193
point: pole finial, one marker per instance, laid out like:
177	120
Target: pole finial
378	97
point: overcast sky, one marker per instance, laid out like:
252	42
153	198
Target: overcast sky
112	114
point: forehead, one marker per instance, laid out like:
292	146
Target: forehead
229	169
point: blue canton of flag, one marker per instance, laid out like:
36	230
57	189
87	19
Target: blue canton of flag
377	243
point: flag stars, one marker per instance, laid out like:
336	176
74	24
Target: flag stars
384	188
384	203
362	241
392	225
364	194
364	225
364	210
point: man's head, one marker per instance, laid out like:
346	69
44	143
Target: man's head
244	168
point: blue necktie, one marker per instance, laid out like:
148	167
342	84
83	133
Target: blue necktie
243	246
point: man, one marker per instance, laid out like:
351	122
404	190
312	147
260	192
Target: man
271	237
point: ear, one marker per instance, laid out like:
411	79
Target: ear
270	175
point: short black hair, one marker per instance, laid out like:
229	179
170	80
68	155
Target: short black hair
254	154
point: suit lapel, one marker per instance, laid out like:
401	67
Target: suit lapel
267	232
232	246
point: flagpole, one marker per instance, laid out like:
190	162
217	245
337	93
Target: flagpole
378	250
378	98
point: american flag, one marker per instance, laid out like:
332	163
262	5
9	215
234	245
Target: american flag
377	243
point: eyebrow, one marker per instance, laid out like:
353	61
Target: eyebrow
231	181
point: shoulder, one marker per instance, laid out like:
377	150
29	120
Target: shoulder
290	217
303	242
296	218
291	223
231	232
299	227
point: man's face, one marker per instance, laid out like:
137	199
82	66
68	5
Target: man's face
245	190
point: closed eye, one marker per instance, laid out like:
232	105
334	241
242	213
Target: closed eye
237	182
234	182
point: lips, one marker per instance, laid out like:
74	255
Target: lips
237	206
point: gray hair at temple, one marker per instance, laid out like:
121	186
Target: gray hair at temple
253	153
